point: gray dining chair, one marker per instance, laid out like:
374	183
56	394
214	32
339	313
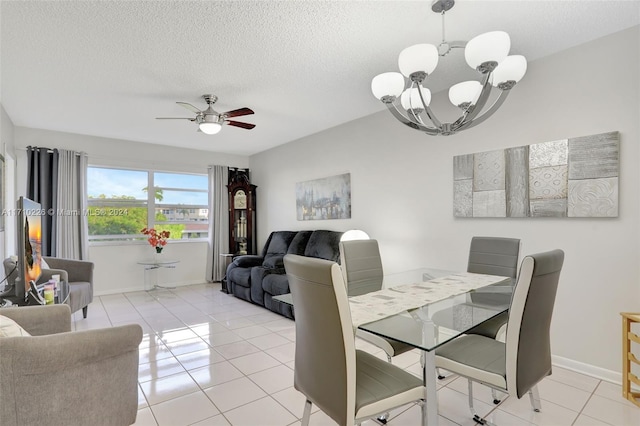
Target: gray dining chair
347	384
362	273
491	256
517	365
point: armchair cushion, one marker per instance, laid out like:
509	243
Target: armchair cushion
10	328
41	320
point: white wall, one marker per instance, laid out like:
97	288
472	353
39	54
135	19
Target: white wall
116	267
6	149
402	190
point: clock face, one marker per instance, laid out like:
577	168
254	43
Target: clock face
240	200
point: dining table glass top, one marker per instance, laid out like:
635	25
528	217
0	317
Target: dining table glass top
441	305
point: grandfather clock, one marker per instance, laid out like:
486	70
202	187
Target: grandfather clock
242	213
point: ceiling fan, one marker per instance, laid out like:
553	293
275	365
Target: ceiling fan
210	121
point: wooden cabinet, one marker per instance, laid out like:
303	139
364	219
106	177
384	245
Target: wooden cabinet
242	213
629	359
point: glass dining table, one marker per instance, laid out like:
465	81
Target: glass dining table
425	308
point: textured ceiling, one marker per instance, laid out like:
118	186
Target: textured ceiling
109	68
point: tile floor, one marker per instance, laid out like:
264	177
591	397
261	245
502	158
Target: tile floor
208	358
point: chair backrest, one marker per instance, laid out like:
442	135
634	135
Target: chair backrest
325	359
528	345
494	256
11	272
361	266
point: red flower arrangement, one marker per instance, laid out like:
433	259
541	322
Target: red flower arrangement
157	239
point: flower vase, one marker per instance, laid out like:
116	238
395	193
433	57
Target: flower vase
158	253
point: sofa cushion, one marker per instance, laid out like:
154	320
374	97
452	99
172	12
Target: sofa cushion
275	284
278	245
299	243
324	245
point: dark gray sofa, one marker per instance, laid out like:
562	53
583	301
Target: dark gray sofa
258	278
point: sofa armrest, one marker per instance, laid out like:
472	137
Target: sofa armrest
77	270
41	320
248	261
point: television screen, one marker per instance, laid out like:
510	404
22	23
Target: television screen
29	244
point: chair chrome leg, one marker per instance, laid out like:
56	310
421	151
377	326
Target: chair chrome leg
534	397
307	413
440	375
494	395
475	416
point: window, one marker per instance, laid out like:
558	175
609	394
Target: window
120	204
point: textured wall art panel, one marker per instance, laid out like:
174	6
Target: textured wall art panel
517	181
463	198
548	154
548	182
489	204
463	167
488	171
549	208
575	177
593	157
593	198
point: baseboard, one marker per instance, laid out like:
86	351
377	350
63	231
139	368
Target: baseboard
588	369
132	289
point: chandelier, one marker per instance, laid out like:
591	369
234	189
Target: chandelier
408	99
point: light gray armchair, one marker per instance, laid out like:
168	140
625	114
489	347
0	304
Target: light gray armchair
78	273
60	377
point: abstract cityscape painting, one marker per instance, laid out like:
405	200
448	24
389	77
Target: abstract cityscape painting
575	177
326	198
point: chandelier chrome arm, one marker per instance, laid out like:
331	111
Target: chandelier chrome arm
488	113
408	122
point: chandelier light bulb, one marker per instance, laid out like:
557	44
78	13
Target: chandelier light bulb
465	93
512	68
410	98
418	58
210	128
488	47
388	84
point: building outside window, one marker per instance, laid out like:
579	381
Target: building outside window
120	204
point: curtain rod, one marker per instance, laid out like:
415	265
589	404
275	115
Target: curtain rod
51	150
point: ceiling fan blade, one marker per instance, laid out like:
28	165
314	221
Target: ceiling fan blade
189	107
248	126
238	112
175	118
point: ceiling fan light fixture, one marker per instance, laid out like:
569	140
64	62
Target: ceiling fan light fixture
210	128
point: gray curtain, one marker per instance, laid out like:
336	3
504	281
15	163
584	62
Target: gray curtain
218	222
42	187
72	229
